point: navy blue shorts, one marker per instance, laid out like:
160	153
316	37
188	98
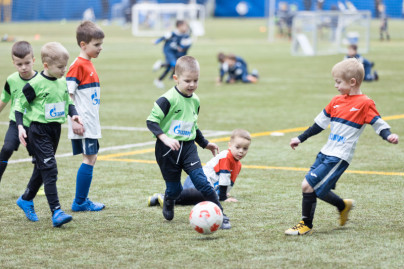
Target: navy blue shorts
325	172
87	146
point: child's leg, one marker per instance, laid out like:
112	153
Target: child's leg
11	143
309	203
84	178
190	196
33	186
170	60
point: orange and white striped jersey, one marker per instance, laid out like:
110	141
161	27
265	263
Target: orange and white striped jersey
348	115
222	170
83	82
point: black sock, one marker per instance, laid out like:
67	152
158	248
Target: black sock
334	199
3	166
309	203
190	196
166	71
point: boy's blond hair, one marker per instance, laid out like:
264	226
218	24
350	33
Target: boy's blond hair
240	133
87	30
348	69
52	52
186	63
21	49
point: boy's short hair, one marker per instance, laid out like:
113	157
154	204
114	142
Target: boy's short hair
240	133
87	30
53	51
221	57
348	69
353	46
21	49
231	57
186	63
178	23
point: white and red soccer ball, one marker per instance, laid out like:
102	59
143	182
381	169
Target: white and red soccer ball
206	217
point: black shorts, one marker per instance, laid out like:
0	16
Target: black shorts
172	163
44	140
11	139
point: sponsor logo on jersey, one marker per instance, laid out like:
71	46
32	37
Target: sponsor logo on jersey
354	109
55	110
177	111
181	128
95	99
337	138
335	106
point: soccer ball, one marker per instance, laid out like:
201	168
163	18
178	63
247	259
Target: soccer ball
206	217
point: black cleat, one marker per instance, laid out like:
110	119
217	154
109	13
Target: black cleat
376	76
226	223
168	208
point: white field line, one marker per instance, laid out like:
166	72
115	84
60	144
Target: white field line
208	133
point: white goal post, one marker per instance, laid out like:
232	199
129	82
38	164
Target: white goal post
152	19
329	32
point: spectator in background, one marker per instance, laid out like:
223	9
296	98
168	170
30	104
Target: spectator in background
384	28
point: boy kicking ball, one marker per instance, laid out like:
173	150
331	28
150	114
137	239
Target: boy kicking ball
173	120
348	113
222	171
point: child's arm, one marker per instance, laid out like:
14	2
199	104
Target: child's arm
165	37
313	130
2	105
205	144
379	125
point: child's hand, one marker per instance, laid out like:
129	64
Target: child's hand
77	125
213	147
393	139
294	142
22	134
231	200
169	142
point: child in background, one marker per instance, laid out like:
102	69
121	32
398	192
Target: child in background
237	70
384	27
48	103
173	121
348	113
221	171
367	65
176	45
84	88
22	55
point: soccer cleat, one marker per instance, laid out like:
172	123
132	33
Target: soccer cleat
153	200
160	199
299	229
88	205
376	76
59	218
28	208
158	83
157	65
226	223
343	215
168	208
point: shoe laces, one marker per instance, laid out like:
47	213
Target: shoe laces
298	226
31	209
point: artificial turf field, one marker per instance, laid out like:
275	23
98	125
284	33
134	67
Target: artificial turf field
290	93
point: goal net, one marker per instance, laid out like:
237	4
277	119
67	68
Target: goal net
329	32
152	19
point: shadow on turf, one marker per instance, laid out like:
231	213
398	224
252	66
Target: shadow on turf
208	238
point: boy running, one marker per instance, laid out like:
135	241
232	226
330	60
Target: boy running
348	113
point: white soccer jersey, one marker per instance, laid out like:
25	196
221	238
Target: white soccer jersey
348	115
83	83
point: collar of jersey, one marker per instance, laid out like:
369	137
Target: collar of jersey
182	93
48	78
36	73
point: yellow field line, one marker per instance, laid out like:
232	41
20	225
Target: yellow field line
264	167
112	157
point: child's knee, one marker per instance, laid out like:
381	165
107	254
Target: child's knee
6	152
306	188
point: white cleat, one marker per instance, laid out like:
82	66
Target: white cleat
158	83
157	65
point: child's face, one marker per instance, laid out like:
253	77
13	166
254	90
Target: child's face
351	52
57	68
344	87
187	82
239	147
24	65
183	28
230	62
93	48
